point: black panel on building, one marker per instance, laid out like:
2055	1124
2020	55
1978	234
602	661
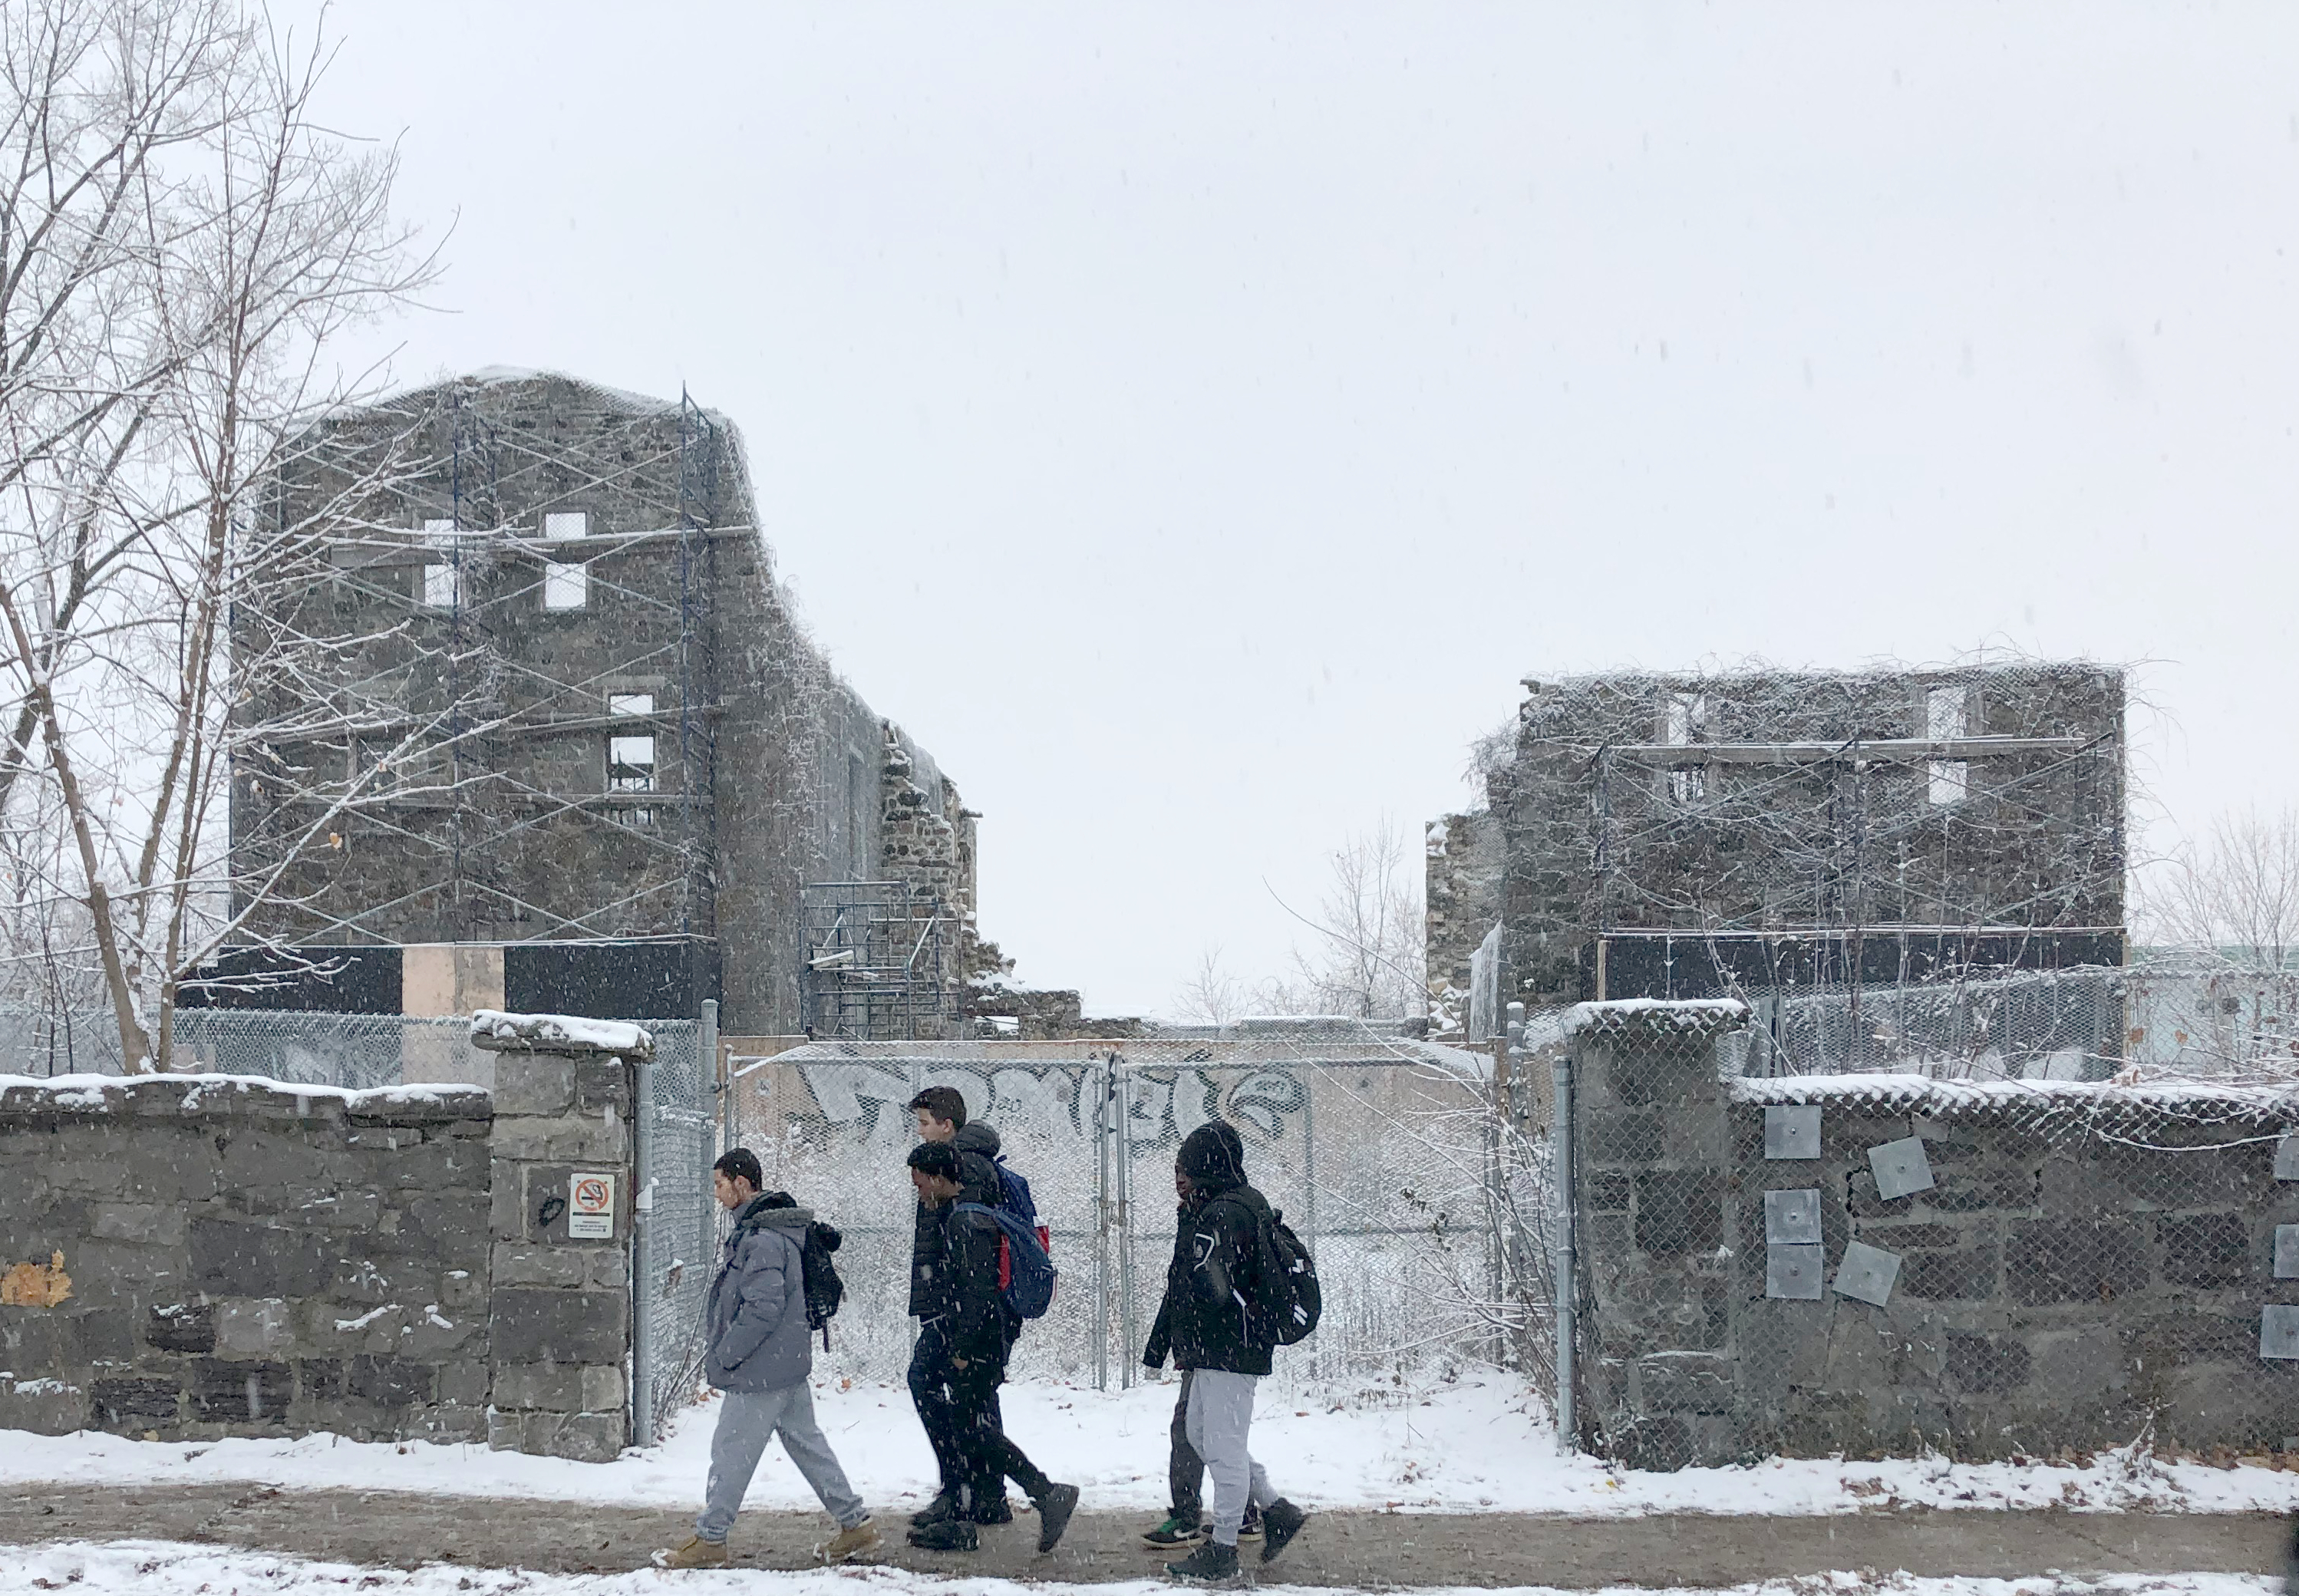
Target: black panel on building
654	978
328	980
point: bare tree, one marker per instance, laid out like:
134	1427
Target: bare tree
2236	898
1366	963
1211	996
180	244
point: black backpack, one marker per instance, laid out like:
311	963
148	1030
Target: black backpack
1288	1300
824	1289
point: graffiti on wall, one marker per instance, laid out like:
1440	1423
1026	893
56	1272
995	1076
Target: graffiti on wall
866	1102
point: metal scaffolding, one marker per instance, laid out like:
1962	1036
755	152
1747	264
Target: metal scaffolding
878	962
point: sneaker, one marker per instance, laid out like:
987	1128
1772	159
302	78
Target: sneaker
1280	1525
1054	1510
695	1553
950	1534
847	1545
1177	1533
1000	1511
944	1506
1209	1564
1250	1530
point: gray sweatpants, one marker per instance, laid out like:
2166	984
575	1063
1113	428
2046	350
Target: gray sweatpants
747	1421
1220	1419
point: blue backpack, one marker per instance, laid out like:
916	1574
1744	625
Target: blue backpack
1026	1273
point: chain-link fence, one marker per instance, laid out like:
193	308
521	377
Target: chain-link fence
1380	1151
675	1248
1882	1263
356	1052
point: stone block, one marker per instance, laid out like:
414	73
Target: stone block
390	1383
106	1336
603	1083
465	1383
1615	1138
254	1327
444	1422
448	1223
36	1341
235	1259
603	1387
435	1104
438	1165
123	1273
1679	1212
241	1393
610	1270
591	1437
2096	1260
463	1290
180	1327
507	1212
2204	1250
1945	1276
1658	1445
431	1335
1981	1364
1687	1382
45	1406
255	1158
531	1325
158	1225
565	1138
1608	1192
527	1083
553	1387
128	1404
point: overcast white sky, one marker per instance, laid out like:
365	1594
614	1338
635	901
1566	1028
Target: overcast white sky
1191	421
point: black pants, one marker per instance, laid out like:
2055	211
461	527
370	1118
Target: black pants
1186	1471
958	1407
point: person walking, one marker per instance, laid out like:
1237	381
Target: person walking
941	1113
963	1335
1214	1317
1185	1522
759	1356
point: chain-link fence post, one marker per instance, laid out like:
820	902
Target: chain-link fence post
1561	1265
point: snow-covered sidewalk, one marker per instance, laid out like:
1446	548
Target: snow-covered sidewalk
1479	1445
165	1568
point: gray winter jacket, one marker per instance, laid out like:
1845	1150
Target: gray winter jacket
757	1312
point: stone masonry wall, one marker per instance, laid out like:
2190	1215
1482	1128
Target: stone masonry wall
195	1257
237	1258
2090	1264
1462	893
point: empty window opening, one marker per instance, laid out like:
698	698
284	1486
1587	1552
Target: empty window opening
630	764
566	587
630	703
1685	724
442	587
567	523
1947	716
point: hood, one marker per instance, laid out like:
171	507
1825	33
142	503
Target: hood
974	1137
760	1216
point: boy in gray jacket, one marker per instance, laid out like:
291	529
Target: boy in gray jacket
760	1354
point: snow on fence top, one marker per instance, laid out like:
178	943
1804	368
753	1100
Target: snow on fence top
500	1033
1349	1043
2197	1100
24	1095
1690	1016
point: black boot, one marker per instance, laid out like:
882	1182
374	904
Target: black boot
943	1506
951	1534
1209	1563
1055	1507
1281	1521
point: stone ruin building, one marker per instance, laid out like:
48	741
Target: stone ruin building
587	760
1748	832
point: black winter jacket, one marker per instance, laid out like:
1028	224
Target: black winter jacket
978	1182
1209	1319
960	1287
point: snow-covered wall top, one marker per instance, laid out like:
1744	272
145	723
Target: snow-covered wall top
23	1094
1690	1016
500	1033
1921	1094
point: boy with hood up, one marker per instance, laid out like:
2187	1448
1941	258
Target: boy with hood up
1220	1333
761	1353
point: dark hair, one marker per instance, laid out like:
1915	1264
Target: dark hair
938	1158
943	1103
740	1163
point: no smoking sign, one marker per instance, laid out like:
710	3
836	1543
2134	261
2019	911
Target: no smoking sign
591	1208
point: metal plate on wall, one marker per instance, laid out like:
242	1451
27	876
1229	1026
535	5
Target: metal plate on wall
1792	1130
1901	1167
2279	1331
2287	1158
1795	1271
1867	1273
2286	1251
1792	1217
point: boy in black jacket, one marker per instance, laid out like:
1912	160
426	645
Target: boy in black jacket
1219	1332
963	1338
1186	1524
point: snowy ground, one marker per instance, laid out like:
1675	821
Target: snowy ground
165	1568
1479	1445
